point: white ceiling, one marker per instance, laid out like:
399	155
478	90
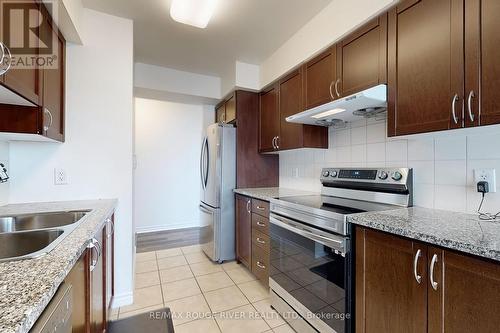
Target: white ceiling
244	30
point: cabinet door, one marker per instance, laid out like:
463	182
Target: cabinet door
482	68
290	103
425	66
231	110
244	230
78	277
97	287
269	119
466	297
362	58
109	260
24	81
53	89
320	75
220	113
388	296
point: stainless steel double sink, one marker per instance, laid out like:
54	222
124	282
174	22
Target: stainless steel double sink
33	235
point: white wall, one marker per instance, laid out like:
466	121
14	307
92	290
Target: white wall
329	25
167	147
97	154
247	76
4	187
443	163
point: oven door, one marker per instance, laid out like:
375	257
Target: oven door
310	271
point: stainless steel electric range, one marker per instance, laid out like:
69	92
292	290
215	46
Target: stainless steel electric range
311	261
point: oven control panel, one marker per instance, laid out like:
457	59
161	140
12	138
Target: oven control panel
367	175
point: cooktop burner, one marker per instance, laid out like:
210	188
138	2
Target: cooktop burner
330	204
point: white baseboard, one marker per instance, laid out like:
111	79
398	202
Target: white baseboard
122	300
142	230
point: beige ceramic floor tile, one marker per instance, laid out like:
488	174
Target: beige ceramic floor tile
214	281
231	265
196	257
191	249
198	326
180	289
283	329
145	256
148	279
225	299
254	291
175	274
113	317
206	267
168	253
139	311
143	298
241	275
170	262
146	266
188	309
272	318
243	319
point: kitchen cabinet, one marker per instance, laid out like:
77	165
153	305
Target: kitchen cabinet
482	68
109	259
220	112
26	81
243	230
320	78
97	283
44	87
425	66
77	278
408	286
362	58
225	111
269	119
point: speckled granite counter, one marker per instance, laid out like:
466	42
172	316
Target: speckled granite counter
268	193
456	231
27	286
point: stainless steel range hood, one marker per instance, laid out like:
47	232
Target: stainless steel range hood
365	104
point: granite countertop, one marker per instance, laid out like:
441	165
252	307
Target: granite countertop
452	230
268	193
27	286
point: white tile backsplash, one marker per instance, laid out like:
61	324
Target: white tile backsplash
443	164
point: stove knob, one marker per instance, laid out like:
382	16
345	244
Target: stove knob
333	173
397	176
326	173
383	175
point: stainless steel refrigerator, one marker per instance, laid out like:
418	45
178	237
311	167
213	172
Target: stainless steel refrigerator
218	179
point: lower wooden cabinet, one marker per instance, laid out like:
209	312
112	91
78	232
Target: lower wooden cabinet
92	280
408	286
243	230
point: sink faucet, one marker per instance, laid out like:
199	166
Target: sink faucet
3	173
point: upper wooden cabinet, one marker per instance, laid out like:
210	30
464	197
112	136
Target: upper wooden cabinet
290	103
269	118
225	111
362	58
220	112
482	67
408	286
425	57
320	77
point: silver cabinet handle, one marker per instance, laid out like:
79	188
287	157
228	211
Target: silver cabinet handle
469	104
418	278
453	112
111	225
93	250
434	284
337	87
46	127
6	57
260	224
261	208
274	142
248	206
260	240
258	263
278	142
331	93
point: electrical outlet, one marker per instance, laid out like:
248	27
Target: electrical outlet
486	175
60	177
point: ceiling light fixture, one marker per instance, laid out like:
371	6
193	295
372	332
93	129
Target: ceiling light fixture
193	12
328	113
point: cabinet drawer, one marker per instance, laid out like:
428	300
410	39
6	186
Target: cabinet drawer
260	223
260	264
261	240
260	207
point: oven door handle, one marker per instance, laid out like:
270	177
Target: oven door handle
334	242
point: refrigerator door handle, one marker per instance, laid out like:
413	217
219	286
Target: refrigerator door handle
207	162
202	158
